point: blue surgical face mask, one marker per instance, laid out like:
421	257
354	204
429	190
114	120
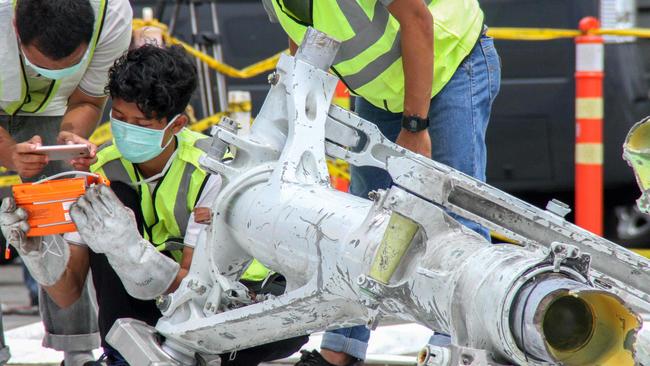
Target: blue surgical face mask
60	73
138	144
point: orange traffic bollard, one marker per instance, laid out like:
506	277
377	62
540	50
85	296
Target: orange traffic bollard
589	128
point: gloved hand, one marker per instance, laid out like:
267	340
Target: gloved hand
45	257
108	227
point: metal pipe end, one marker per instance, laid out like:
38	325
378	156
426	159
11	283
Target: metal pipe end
433	355
590	328
318	49
560	320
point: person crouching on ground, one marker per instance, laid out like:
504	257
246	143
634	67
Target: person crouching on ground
125	233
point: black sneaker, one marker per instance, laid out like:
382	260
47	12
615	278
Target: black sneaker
314	358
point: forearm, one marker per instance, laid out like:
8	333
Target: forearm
186	262
293	47
81	119
417	59
69	286
67	290
6	151
177	281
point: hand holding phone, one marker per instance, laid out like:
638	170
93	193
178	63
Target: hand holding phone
79	163
24	160
64	152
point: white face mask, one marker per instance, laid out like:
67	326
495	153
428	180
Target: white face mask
139	144
60	73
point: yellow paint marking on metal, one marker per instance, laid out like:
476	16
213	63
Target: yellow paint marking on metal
589	108
589	153
396	240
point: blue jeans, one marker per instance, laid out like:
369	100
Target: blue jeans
458	116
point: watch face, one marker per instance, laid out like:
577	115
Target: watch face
414	124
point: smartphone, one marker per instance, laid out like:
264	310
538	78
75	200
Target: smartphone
64	152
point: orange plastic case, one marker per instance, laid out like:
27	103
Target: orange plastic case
48	203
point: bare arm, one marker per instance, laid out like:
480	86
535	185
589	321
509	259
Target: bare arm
67	290
293	47
83	114
185	267
79	122
6	145
416	26
20	157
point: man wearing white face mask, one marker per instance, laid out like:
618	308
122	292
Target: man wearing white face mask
138	236
54	59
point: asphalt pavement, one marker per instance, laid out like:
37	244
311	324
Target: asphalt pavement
14	297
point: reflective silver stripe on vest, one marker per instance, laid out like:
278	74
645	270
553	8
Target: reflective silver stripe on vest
115	172
369	72
373	32
180	206
366	34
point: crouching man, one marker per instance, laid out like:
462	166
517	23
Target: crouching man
125	232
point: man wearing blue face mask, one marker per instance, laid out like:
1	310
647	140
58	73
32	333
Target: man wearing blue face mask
54	59
137	237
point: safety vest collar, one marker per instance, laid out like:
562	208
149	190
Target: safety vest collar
14	87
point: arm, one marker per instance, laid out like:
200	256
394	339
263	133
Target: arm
86	104
20	157
83	114
79	122
185	267
57	266
416	26
67	290
293	47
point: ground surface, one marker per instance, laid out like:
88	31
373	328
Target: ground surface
24	332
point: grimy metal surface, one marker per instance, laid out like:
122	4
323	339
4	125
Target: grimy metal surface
277	205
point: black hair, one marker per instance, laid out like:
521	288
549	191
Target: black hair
55	27
160	81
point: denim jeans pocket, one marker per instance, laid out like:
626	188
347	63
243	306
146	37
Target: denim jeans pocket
493	63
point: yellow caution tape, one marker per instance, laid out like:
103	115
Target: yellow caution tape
102	134
339	168
245	73
532	34
630	32
207	122
240	107
643	252
545	34
504	33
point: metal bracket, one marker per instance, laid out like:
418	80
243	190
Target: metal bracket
138	342
453	355
569	255
558	207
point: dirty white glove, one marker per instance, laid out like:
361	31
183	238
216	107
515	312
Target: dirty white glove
108	227
45	257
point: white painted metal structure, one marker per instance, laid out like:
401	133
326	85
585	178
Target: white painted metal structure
277	206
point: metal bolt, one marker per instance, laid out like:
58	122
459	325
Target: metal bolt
374	195
273	78
163	302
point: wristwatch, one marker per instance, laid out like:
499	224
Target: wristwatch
414	123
